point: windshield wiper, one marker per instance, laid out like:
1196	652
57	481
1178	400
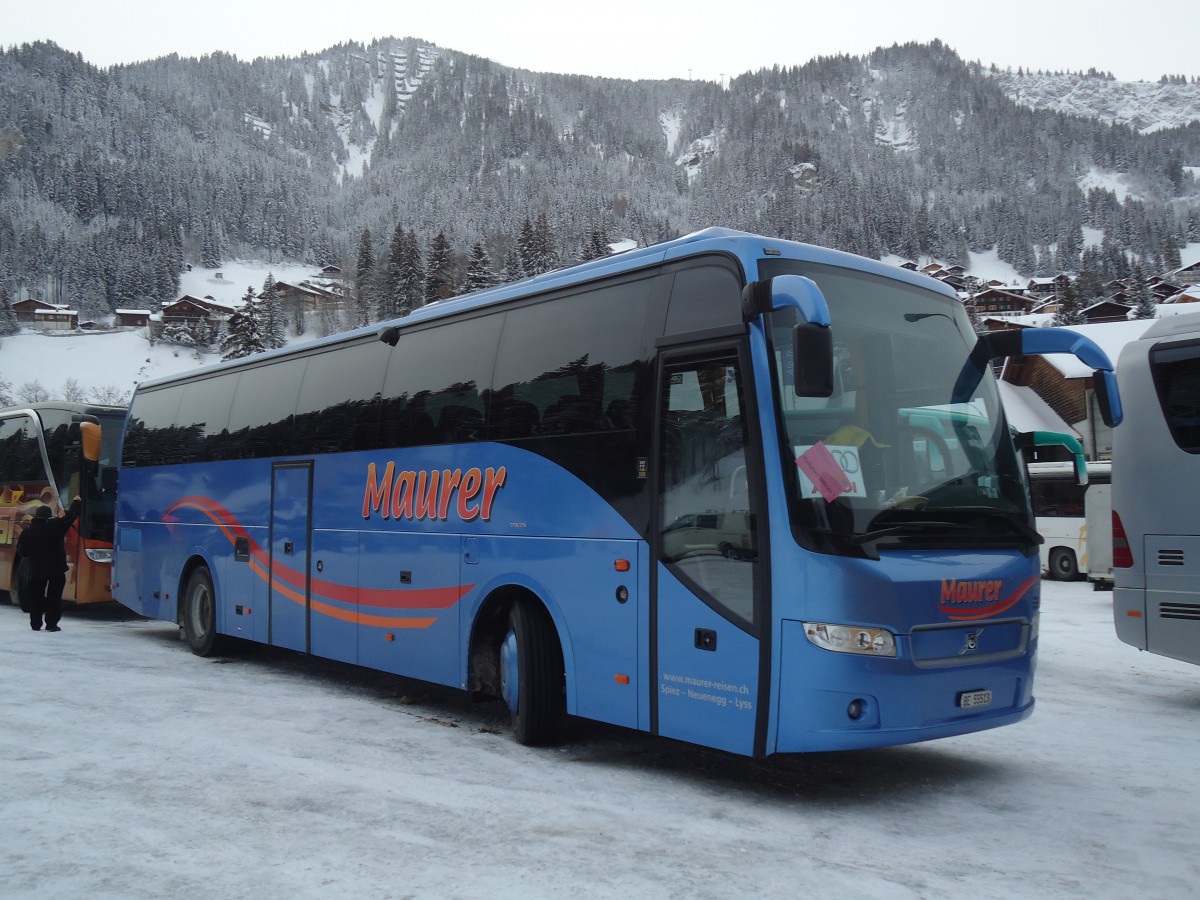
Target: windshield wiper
1011	519
914	525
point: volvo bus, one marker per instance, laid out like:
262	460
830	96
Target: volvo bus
752	494
51	453
1156	492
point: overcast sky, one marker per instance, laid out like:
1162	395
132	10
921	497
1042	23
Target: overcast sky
621	39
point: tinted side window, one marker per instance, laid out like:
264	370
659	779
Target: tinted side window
260	419
338	408
570	365
1058	497
436	384
56	432
203	417
1177	381
707	296
20	458
151	438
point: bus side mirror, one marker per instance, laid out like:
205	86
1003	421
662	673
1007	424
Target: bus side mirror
90	438
812	359
812	340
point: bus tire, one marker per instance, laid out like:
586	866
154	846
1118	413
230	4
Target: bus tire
1062	565
531	674
199	613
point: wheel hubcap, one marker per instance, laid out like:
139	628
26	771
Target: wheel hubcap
508	671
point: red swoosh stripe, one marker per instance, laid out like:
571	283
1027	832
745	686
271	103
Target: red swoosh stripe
290	583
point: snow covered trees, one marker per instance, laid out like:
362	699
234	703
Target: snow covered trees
364	280
439	282
1143	302
244	333
479	269
1070	309
273	328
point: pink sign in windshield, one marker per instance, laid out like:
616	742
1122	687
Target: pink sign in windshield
823	471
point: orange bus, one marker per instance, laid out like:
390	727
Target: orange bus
49	454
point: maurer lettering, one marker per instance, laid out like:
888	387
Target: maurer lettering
432	494
955	591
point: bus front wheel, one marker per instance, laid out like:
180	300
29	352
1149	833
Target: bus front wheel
1062	565
199	613
531	674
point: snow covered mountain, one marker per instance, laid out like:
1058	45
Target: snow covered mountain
1144	106
114	179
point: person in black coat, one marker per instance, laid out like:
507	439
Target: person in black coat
42	544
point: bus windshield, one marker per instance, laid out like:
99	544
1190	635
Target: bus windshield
889	458
76	477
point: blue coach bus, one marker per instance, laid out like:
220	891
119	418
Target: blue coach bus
743	492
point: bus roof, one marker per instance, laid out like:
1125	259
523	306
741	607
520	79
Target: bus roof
747	248
1184	323
87	409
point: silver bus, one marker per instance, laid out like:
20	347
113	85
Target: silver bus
1156	491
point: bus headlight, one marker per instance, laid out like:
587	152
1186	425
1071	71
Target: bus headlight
99	555
851	639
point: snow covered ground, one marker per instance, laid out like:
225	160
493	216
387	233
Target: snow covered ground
132	768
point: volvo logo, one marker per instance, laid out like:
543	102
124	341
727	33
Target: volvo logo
972	643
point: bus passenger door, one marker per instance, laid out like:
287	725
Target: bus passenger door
288	579
708	576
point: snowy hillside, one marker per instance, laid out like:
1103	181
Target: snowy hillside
1142	105
107	366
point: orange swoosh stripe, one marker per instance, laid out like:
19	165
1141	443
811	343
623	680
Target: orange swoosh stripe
287	582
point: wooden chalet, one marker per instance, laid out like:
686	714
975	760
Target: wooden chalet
132	318
310	295
1107	311
26	309
997	302
186	309
1047	287
58	318
1187	276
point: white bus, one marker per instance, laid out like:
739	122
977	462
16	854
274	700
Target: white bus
1156	492
1073	519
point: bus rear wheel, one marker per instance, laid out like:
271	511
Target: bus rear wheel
199	613
1062	565
531	674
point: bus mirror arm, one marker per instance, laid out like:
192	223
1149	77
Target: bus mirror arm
1040	342
1030	439
812	339
786	292
390	335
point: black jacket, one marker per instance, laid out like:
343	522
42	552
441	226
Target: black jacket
42	543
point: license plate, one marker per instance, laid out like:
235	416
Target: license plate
973	699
